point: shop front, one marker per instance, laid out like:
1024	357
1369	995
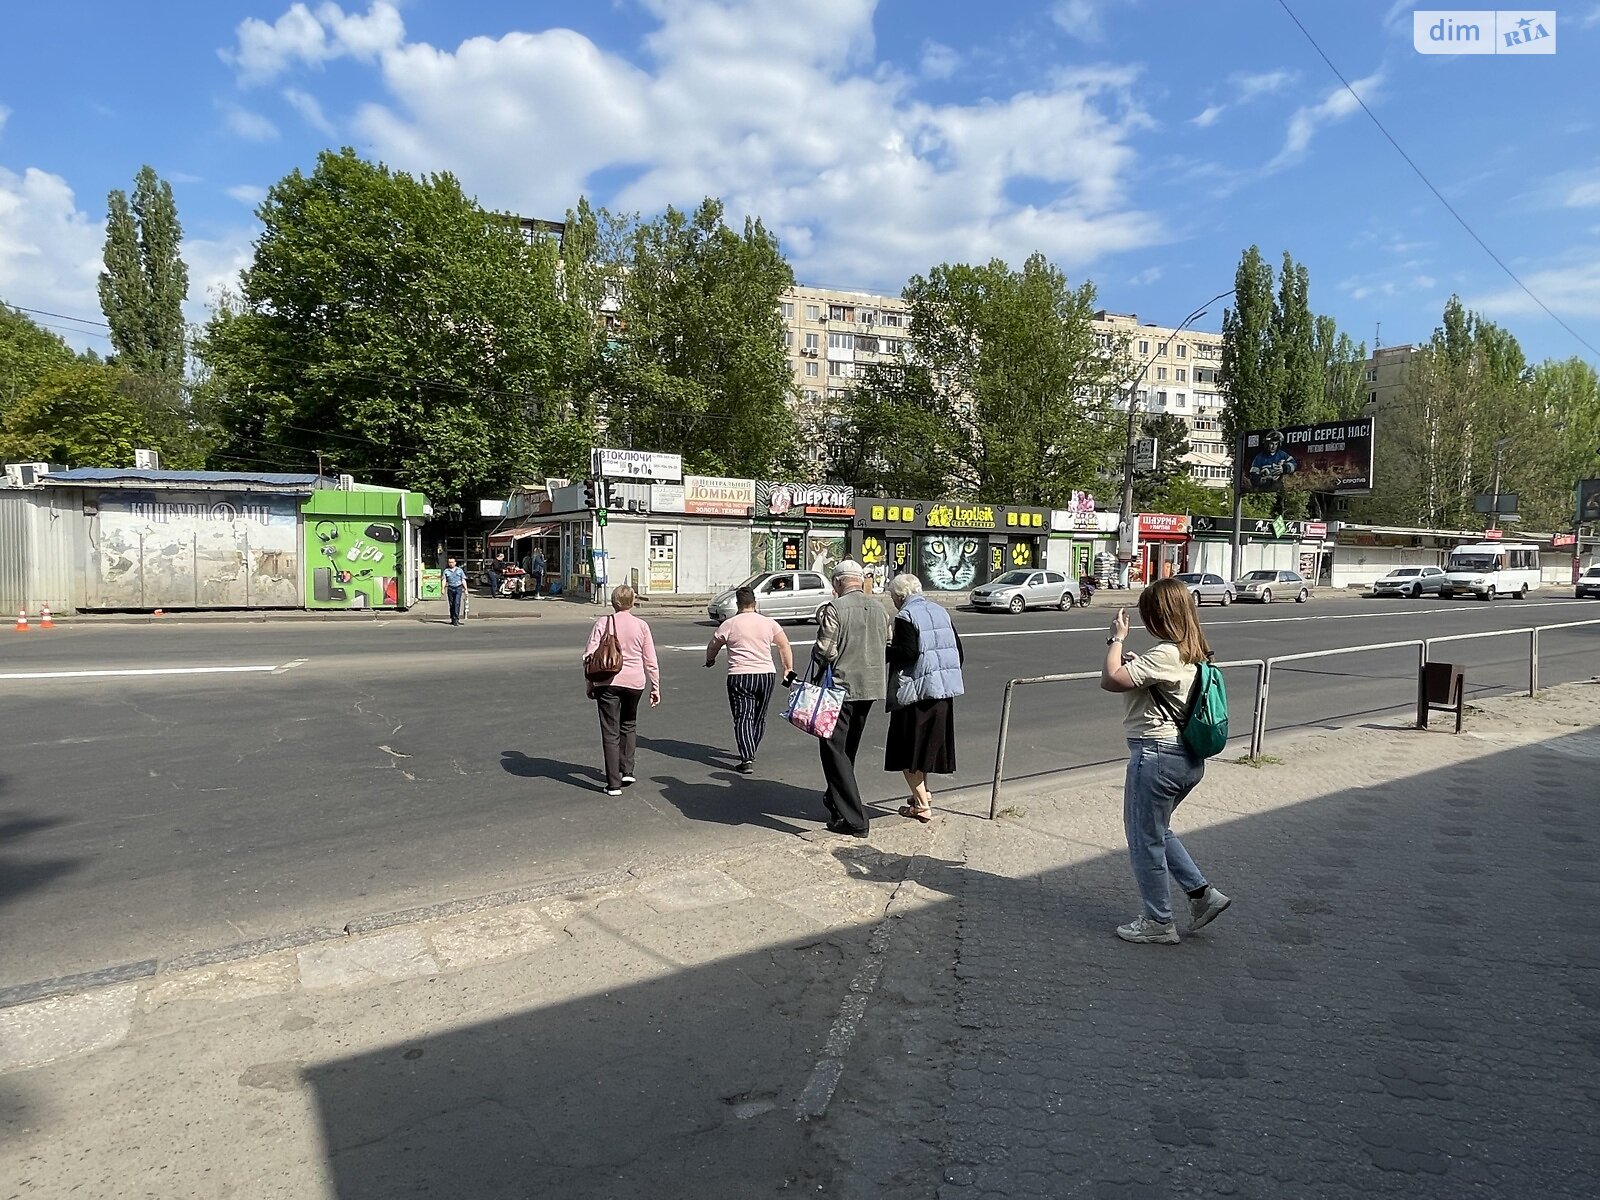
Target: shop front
1163	546
363	548
1270	543
1078	535
951	545
800	526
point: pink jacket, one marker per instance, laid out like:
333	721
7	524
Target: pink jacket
638	651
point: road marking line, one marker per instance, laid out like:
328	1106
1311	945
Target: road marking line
289	666
139	671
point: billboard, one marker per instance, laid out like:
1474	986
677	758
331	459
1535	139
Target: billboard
1588	501
636	464
1335	457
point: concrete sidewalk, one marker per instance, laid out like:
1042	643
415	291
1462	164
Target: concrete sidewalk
1402	1002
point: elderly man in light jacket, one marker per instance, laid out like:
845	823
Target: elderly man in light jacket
852	638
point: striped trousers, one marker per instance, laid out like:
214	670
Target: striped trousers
748	697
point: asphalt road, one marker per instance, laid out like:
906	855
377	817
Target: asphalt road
316	772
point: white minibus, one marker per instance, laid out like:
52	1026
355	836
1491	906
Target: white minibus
1492	569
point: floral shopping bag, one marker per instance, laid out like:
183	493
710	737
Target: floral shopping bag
815	707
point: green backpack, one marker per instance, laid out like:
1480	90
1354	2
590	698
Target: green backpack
1205	729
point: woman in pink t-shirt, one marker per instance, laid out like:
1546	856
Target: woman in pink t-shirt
750	637
618	697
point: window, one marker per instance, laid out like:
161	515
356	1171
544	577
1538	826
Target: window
788	339
1180	400
786	307
1372	374
1208	423
1372	397
1143	396
813	313
867	345
836	393
811	583
838	312
1144	347
841	341
1161	398
811	341
811	370
1205	375
1161	373
892	320
866	316
1183	351
1181	375
843	370
1161	350
811	393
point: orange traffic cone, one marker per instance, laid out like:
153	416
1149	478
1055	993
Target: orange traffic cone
22	620
44	618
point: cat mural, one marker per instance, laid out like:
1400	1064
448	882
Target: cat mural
949	561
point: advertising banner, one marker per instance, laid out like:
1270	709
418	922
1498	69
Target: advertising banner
1163	525
774	499
636	464
355	561
1334	457
876	512
714	495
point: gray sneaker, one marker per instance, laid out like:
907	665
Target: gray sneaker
1143	929
1207	908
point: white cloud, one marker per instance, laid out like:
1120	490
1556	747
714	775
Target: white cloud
215	265
1083	19
301	37
251	126
1570	291
310	111
50	251
4	113
247	193
784	112
1146	277
1209	117
1249	85
1590	19
1425	282
1584	194
938	61
1334	107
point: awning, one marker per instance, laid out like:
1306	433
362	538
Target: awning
506	536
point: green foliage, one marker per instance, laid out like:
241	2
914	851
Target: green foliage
1152	488
95	415
694	360
391	323
1005	395
27	354
145	282
1467	389
1342	364
1247	372
1296	372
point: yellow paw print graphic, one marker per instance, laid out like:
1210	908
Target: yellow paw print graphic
1021	555
871	551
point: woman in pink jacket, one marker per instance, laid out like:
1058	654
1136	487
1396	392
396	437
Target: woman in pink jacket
618	696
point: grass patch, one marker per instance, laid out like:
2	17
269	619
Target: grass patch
1260	760
1013	810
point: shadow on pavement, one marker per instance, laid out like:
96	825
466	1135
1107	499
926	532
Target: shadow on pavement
695	752
19	872
1363	1022
526	766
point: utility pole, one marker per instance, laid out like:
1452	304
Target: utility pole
1126	531
1494	503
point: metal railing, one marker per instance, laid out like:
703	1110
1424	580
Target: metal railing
1264	666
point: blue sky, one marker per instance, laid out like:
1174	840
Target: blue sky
1138	143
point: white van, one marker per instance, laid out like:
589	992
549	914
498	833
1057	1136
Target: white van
1492	569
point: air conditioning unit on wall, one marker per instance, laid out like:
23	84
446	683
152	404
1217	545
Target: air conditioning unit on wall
347	483
26	474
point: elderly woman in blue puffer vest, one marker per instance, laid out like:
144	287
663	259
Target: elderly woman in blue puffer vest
925	657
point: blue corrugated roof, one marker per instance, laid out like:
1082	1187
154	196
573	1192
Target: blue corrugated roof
133	477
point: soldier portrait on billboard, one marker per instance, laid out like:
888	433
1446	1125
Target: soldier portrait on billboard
1271	463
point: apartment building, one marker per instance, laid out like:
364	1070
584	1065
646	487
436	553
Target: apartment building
1176	375
832	336
1387	372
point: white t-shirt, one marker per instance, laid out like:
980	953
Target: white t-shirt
1159	667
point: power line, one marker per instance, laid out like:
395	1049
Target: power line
1438	195
59	316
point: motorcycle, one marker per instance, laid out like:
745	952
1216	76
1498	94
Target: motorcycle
1086	590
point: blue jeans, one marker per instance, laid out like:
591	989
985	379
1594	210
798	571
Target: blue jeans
458	602
1160	775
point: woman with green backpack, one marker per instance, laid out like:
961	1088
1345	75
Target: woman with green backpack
1176	716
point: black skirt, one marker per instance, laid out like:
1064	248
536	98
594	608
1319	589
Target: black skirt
922	738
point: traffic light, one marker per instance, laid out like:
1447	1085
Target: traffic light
593	490
608	494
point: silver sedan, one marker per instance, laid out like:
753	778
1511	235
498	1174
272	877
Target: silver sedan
1015	591
1208	589
1265	586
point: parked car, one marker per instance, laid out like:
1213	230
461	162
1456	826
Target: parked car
781	595
1019	590
1208	589
1588	584
1411	582
1266	586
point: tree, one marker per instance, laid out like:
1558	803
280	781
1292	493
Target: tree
1005	392
1247	372
1172	443
1342	365
1558	442
695	361
27	354
95	415
392	323
145	281
1297	374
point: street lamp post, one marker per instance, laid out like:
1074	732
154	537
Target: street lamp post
1494	502
1126	532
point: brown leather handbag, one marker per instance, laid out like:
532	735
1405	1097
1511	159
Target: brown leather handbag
605	660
